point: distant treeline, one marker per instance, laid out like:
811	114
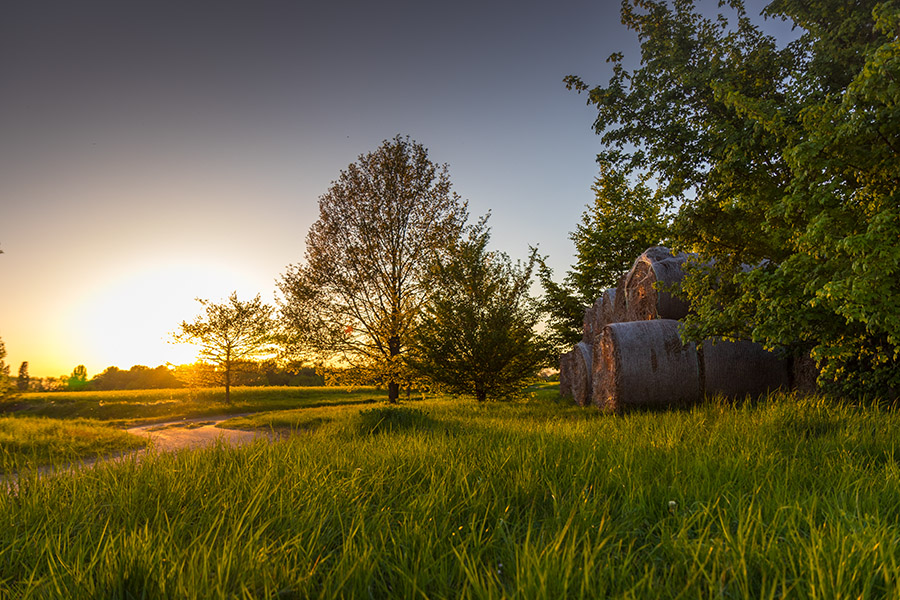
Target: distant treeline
140	377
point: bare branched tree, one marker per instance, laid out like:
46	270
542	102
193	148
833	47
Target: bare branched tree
230	333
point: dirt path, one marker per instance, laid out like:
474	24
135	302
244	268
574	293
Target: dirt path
194	433
165	437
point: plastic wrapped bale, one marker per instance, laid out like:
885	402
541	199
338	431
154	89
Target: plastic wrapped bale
581	373
739	369
565	374
644	364
642	301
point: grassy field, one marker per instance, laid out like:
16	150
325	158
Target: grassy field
129	408
28	442
446	498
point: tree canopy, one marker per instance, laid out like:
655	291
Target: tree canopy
355	299
782	160
476	336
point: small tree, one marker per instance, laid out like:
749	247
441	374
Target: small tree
624	220
78	380
23	379
476	335
4	372
230	333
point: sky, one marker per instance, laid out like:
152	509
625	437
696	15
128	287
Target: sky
155	152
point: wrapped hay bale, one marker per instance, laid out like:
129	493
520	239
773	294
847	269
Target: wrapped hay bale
742	368
645	364
642	301
581	373
565	374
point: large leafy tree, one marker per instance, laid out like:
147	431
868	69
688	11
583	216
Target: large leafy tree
624	219
476	336
230	334
783	161
354	301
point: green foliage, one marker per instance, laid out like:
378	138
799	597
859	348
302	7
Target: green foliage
22	380
230	333
5	387
527	499
138	377
623	221
476	335
783	161
355	300
78	379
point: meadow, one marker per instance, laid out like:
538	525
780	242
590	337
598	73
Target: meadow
445	498
138	407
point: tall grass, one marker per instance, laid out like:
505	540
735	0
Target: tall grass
443	499
30	442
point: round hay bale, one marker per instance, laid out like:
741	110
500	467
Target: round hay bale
581	374
589	323
598	372
598	316
804	374
645	364
739	369
565	374
619	312
642	301
607	309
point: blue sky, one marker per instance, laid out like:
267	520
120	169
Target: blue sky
155	152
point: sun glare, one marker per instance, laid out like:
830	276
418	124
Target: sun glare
130	321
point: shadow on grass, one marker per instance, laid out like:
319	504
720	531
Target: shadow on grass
388	419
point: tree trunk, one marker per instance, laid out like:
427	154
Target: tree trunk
227	382
480	392
393	386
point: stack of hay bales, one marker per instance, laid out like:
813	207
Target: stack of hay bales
635	355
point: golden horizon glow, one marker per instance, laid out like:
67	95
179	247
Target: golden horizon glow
129	321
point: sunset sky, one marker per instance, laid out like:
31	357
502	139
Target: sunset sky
157	151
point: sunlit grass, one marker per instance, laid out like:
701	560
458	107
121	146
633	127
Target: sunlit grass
134	407
532	499
28	442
